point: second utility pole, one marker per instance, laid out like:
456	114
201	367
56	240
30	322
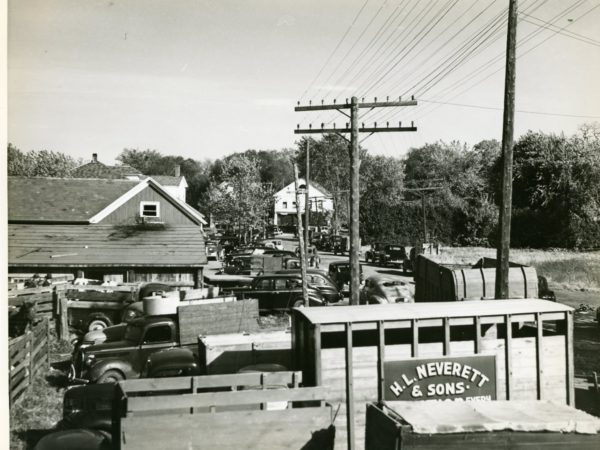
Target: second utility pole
354	131
307	202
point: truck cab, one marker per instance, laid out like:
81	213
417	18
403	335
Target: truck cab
118	360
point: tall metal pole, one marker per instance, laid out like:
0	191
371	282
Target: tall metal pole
307	200
502	259
300	238
354	204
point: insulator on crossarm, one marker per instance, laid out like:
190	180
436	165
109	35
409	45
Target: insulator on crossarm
387	98
298	103
346	101
322	101
310	103
375	124
375	99
413	97
298	126
322	125
346	124
400	124
334	101
363	124
334	125
387	124
412	124
310	126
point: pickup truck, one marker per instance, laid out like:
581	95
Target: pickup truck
124	358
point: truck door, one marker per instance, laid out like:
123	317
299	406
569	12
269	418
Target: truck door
157	337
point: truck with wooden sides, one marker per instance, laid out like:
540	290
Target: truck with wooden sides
438	282
177	325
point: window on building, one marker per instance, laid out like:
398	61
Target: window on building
149	209
284	205
294	204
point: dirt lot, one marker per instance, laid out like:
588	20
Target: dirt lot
575	278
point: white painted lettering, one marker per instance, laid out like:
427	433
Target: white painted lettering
396	389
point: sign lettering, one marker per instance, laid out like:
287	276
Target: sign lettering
444	378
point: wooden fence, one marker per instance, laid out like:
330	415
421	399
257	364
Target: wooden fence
27	354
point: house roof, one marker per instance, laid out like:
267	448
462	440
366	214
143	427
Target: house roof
46	245
167	180
62	199
301	181
96	169
77	199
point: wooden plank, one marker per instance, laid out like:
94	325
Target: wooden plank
349	388
250	397
508	356
380	360
477	322
63	318
317	353
149	385
308	428
539	341
415	338
446	336
570	359
217	318
79	304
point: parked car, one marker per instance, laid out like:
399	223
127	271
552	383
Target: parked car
376	253
318	279
384	289
394	254
339	272
279	291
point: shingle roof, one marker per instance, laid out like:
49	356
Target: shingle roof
167	180
45	245
99	170
61	199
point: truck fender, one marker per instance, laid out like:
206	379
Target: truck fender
101	367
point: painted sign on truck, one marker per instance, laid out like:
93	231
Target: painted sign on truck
444	378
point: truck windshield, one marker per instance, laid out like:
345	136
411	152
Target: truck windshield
133	333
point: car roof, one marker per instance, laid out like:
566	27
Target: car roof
384	278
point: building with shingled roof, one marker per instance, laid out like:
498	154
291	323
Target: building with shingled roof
321	201
107	229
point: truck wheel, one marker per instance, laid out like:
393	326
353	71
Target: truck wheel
98	323
111	376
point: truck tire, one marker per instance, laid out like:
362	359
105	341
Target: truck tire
99	323
111	376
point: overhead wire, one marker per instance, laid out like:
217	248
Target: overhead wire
523	53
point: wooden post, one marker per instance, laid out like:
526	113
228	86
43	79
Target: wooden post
349	388
380	360
354	204
63	318
307	201
507	155
301	239
130	276
198	279
569	359
540	356
508	355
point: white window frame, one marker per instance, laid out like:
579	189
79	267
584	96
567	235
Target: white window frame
142	204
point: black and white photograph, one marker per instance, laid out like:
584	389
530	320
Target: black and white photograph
300	224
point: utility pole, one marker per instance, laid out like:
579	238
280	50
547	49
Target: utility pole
300	239
354	106
502	259
307	200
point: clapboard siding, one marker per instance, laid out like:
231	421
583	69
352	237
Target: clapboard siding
127	213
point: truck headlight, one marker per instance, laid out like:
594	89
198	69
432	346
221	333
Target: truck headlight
89	360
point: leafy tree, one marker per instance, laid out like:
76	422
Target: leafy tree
43	163
241	200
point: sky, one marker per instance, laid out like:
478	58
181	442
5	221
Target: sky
207	78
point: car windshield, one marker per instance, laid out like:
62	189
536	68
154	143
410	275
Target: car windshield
133	333
395	249
393	283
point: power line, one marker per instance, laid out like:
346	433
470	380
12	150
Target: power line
522	111
335	49
555	26
482	68
585	40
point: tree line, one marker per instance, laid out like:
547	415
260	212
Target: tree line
450	191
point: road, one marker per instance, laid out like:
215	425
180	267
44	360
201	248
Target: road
290	243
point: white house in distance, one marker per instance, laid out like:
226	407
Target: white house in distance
285	202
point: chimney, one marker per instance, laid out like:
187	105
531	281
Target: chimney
177	170
95	157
